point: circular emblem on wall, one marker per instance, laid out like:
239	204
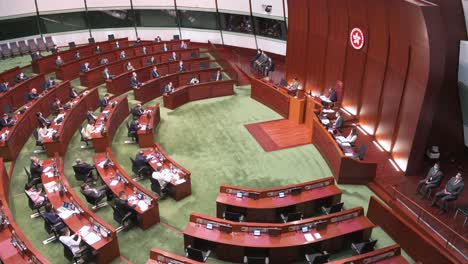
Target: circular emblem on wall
356	37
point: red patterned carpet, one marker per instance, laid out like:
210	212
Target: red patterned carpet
280	134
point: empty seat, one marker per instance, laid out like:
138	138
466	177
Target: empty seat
32	45
317	258
6	51
49	42
24	49
15	51
41	44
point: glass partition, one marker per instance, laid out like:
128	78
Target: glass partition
111	18
270	28
198	19
156	18
18	27
236	23
63	22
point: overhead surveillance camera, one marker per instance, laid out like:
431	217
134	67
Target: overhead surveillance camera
268	8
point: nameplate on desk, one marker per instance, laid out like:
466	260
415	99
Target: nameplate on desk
343	217
317	185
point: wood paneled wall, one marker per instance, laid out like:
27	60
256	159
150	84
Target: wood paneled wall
394	83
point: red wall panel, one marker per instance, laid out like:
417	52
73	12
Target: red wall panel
337	42
317	45
377	54
355	59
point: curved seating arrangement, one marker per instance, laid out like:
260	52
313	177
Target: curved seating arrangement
77	216
71	120
21	251
46	64
267	205
15	137
14	98
115	177
158	256
148	123
152	88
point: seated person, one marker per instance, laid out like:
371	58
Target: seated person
218	76
129	67
337	124
104	101
122	55
173	57
90	116
181	67
352	137
134	82
157	39
293	87
143	50
53	218
116	45
163	181
35	195
133	128
104	61
168	89
77	55
151	60
73	93
88	130
121	202
74	243
6	121
4	86
451	191
154	73
41	120
43	132
59	61
194	80
85	67
96	193
164	47
330	98
183	45
97	50
433	178
49	84
32	95
54	49
267	66
56	106
35	168
138	111
141	161
84	168
36	55
107	75
21	77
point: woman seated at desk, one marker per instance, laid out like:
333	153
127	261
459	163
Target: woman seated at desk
350	139
88	130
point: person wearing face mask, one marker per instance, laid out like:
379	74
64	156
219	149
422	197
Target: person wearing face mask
432	180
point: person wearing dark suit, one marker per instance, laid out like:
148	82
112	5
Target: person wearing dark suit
35	169
49	84
260	61
97	50
54	49
451	191
32	95
56	106
6	121
41	120
173	57
181	67
59	61
21	77
151	60
104	101
122	55
432	180
332	96
164	48
73	93
133	128
96	193
116	45
4	86
267	66
141	161
84	168
90	116
53	218
157	39
154	73
138	41
137	111
253	61
218	76
338	123
106	75
122	205
104	61
134	82
168	89
36	55
143	50
77	55
85	67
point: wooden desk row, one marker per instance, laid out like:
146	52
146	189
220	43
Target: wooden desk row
281	243
22	251
115	177
181	187
46	64
347	170
386	255
15	137
189	93
265	206
121	83
15	96
71	69
158	256
10	75
94	77
71	122
102	237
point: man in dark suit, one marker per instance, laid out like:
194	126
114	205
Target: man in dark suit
452	189
116	45
41	120
53	218
77	55
122	55
432	180
90	116
73	93
122	205
267	66
157	39
56	106
96	193
85	67
133	128
32	95
134	82
151	60
164	48
106	75
84	168
35	169
59	61
36	55
141	161
21	77
154	73
181	67
338	123
4	86
143	50
218	76
259	53
6	121
173	57
333	96
169	88
104	101
97	50
137	111
49	84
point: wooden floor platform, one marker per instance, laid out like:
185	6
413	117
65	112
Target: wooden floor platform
280	134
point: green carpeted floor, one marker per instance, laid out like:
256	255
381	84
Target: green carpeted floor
208	138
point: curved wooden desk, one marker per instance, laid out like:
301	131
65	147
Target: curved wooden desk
148	123
10	75
266	205
347	170
71	122
387	255
26	122
282	243
180	188
152	88
203	90
147	217
9	253
107	246
121	83
158	256
15	96
46	64
108	122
